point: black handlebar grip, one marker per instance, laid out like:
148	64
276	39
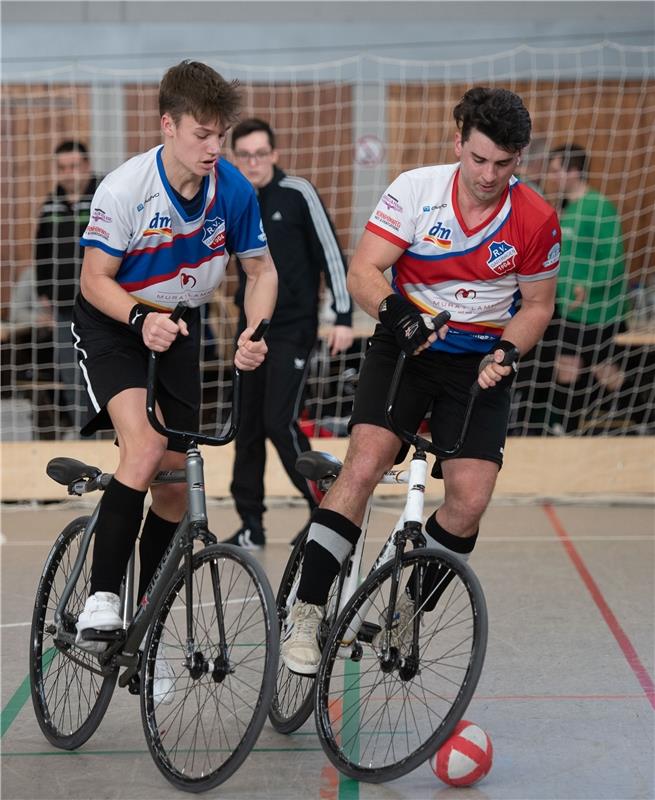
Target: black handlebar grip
177	312
260	330
441	319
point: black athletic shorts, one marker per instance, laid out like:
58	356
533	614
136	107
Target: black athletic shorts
437	382
112	358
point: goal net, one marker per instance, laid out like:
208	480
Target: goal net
350	127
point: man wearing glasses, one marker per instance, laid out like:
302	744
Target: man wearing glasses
303	244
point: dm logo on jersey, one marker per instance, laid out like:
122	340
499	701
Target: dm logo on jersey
159	225
466	294
214	233
186	279
501	257
439	236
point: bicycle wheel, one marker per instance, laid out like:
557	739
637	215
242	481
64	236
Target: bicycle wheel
70	693
379	720
212	713
293	698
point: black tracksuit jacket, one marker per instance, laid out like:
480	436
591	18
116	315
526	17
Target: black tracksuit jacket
303	244
58	253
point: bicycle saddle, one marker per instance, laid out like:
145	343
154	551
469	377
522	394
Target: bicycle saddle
67	470
315	465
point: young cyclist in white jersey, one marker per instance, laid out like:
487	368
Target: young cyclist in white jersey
161	230
466	238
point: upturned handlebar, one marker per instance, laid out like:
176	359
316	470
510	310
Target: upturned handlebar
413	438
194	437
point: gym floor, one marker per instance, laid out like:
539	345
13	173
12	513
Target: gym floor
566	694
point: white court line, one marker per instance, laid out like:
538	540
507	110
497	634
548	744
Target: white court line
177	608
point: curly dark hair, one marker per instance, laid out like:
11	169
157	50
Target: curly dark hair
498	114
194	88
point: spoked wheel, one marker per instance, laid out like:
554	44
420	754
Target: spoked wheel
204	707
70	692
387	708
293	698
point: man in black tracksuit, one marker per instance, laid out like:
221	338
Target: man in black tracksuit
58	255
303	244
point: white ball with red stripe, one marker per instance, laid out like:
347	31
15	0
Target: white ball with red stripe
465	758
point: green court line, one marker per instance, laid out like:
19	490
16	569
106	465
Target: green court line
13	707
349	788
20	696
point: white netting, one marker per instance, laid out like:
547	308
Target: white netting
349	126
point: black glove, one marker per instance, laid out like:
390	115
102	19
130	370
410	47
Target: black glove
405	321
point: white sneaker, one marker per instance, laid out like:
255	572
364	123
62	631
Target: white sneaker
402	628
300	650
102	611
163	688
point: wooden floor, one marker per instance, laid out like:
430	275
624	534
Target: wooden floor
566	694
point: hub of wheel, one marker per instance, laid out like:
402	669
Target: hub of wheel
390	663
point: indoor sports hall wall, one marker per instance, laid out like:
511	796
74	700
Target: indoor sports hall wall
349	125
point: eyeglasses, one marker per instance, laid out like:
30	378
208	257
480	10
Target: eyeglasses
260	155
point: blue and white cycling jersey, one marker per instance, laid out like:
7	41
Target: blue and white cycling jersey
167	256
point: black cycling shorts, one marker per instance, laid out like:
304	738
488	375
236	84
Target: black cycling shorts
113	357
435	382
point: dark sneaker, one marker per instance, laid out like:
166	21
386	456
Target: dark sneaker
250	537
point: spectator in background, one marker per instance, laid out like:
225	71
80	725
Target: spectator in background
534	164
303	244
58	255
592	288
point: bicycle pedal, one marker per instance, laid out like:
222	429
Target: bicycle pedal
368	632
96	635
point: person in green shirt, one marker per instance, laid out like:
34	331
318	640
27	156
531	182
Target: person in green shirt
592	288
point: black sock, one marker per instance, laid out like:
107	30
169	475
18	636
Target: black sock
155	538
331	540
434	580
119	520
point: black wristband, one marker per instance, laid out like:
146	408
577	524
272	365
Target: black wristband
393	308
137	317
507	348
512	355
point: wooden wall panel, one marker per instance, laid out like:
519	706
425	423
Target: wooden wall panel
35	119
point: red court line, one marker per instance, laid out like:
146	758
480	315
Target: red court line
617	631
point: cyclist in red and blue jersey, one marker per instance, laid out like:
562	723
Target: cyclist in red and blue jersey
470	239
161	230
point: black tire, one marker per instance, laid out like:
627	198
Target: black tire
212	723
293	697
377	726
69	692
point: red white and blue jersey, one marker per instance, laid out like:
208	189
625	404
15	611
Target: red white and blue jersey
475	274
168	256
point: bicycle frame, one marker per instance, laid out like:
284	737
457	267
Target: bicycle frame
194	524
410	522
